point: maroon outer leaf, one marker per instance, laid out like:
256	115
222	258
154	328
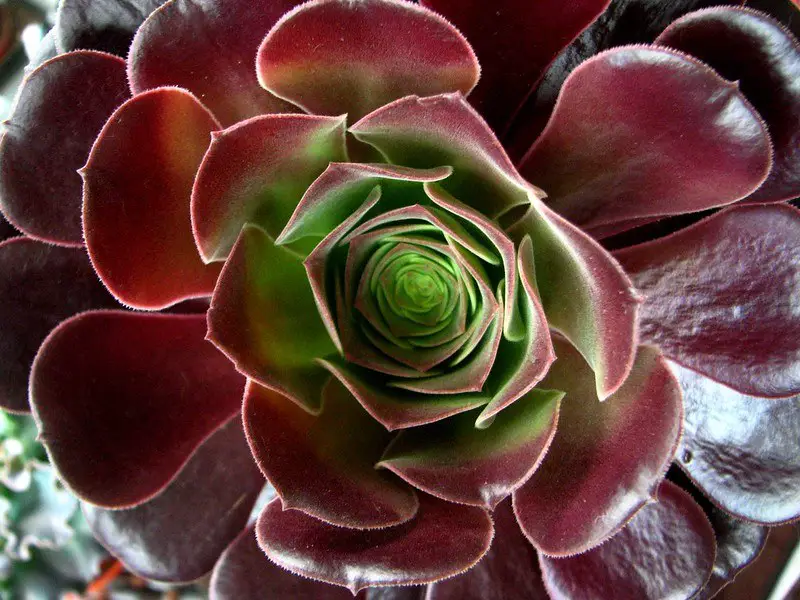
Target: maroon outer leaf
445	130
743	452
758	53
257	171
640	132
606	459
208	47
444	539
143	392
713	306
137	188
179	534
515	41
666	551
40	286
454	460
106	25
333	56
244	573
264	318
509	571
47	140
324	465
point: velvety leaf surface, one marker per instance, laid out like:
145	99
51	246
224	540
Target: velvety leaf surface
325	465
758	53
46	141
784	11
144	391
257	171
445	130
333	56
624	22
244	573
509	571
606	459
180	534
722	297
743	452
209	48
640	132
106	25
444	539
454	460
137	188
40	286
396	408
515	42
599	314
666	551
263	316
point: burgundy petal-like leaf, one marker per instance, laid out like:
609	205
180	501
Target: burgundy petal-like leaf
137	189
257	171
606	459
599	314
244	573
264	317
443	539
209	48
444	130
743	452
123	399
666	551
509	571
325	465
515	41
106	25
333	56
454	460
47	140
180	534
397	408
722	297
40	286
640	132
758	53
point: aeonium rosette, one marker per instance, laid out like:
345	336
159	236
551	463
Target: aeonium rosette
424	348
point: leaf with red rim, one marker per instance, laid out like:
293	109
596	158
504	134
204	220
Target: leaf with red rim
137	186
710	303
515	42
454	460
244	573
324	465
640	132
333	56
256	172
509	571
208	47
169	538
666	551
106	25
143	392
764	59
606	459
584	293
264	317
443	540
46	140
40	286
445	130
743	452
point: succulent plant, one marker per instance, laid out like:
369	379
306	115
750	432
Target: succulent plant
460	280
